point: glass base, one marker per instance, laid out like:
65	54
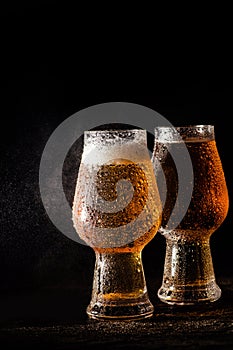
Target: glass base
189	295
121	310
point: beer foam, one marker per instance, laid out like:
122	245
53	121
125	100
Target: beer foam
97	155
102	146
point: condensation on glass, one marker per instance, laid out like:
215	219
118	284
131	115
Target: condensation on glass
188	276
117	211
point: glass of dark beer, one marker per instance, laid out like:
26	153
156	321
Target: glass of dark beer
189	153
117	211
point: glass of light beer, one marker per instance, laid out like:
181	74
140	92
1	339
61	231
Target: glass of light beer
188	276
117	211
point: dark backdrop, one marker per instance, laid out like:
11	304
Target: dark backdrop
57	59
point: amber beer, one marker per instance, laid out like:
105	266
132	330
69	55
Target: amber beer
188	269
209	203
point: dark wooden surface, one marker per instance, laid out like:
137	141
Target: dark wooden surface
55	318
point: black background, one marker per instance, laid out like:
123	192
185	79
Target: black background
58	58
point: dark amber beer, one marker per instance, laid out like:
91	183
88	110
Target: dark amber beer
188	270
209	203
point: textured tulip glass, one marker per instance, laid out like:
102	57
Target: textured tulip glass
188	276
117	211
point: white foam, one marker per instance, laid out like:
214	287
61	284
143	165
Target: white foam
103	146
94	155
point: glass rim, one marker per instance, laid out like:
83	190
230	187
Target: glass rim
92	132
190	126
185	132
110	135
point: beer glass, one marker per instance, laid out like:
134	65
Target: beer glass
188	276
117	211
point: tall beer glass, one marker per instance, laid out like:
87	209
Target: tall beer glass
188	276
117	211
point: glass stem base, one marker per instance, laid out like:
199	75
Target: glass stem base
119	288
188	273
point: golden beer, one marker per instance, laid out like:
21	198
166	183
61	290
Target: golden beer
143	209
117	211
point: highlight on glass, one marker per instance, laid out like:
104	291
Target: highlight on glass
188	276
117	211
